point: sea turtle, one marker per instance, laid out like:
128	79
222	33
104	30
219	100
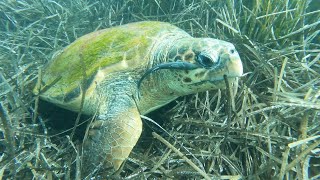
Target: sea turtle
130	70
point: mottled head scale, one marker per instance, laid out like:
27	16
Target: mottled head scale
108	68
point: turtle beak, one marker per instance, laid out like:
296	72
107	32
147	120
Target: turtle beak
234	67
230	65
234	71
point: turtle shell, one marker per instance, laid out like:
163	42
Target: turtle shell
117	49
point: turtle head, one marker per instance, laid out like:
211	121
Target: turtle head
198	64
211	60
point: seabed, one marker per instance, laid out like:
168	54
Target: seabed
270	129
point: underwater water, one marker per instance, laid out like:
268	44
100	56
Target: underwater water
269	129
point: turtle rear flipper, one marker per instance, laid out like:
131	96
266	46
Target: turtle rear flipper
111	137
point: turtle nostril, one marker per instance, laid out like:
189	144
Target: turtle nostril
232	51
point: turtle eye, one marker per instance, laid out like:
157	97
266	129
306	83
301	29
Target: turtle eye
205	61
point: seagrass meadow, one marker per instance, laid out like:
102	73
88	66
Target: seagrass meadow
270	129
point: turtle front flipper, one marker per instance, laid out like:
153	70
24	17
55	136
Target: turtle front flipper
111	136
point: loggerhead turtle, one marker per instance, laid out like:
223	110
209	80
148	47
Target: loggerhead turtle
128	71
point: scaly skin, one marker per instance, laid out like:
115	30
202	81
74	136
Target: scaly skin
114	61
